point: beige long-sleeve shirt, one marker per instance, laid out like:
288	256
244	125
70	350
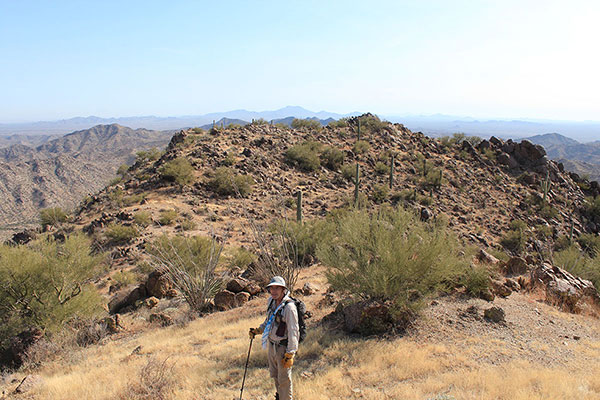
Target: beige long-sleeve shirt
290	317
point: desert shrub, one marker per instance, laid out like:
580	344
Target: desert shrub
178	170
579	264
474	140
476	280
259	122
305	156
120	234
238	257
150	155
434	177
134	199
52	216
391	255
515	239
304	237
591	208
340	123
142	218
46	283
590	243
122	170
489	154
380	193
124	278
188	225
361	147
155	381
226	182
543	232
332	158
311	124
189	264
381	168
228	160
371	124
349	172
167	217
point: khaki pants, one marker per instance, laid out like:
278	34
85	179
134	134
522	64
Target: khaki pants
282	376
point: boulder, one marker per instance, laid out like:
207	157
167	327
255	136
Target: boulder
123	299
508	160
367	317
500	289
426	214
252	288
112	324
225	300
564	290
512	284
237	285
494	314
516	266
309	289
157	285
161	318
151	302
23	237
487	258
487	295
241	298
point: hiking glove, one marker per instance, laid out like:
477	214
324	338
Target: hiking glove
288	360
254	332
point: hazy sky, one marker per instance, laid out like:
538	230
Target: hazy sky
536	59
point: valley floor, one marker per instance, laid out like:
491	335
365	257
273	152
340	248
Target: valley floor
451	353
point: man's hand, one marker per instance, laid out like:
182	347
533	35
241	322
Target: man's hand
254	332
288	360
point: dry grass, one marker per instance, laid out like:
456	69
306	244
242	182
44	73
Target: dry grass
206	361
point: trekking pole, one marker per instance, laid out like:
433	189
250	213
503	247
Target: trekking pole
246	369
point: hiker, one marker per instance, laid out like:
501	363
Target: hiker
280	335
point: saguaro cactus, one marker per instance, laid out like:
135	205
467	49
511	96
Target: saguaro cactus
546	186
358	135
299	206
391	172
356	184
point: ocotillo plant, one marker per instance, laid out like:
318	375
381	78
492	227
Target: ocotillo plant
356	183
299	206
391	172
439	183
546	186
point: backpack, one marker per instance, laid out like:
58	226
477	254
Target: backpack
301	308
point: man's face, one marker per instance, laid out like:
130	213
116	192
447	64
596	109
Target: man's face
276	292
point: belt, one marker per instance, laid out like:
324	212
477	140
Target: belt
283	342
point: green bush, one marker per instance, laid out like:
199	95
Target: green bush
133	199
349	172
305	237
151	155
305	156
332	158
46	283
340	123
238	257
124	278
226	182
188	225
371	124
142	218
178	170
516	238
380	193
120	234
361	147
590	243
579	264
476	280
392	256
381	168
311	124
52	216
167	217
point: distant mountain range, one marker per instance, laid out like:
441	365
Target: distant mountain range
160	123
60	172
582	158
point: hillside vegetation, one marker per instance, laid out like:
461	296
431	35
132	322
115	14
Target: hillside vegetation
430	268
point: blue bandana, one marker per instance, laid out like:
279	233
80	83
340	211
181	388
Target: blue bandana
269	325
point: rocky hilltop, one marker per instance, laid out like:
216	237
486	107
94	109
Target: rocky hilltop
62	171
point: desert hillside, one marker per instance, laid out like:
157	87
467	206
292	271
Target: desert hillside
447	268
